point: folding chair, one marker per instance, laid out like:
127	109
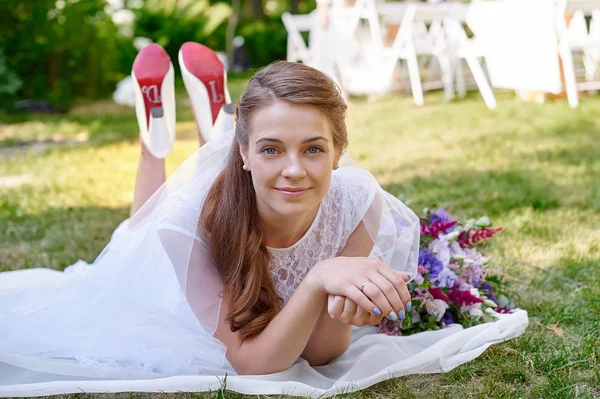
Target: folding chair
297	50
460	47
518	41
575	37
374	74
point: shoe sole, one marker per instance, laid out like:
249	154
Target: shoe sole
205	80
153	75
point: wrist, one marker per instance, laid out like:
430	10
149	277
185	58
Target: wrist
315	282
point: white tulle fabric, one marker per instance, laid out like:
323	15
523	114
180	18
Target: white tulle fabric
147	309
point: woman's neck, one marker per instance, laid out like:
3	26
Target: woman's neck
283	232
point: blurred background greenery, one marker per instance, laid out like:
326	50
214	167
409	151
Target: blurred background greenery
75	50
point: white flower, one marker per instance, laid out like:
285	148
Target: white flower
490	303
452	236
475	292
437	308
475	310
491	311
419	279
415	316
441	250
457	250
483	221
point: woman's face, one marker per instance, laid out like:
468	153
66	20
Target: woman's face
291	155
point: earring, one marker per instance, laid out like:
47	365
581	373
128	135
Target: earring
245	167
336	167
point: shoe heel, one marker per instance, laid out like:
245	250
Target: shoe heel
224	122
154	79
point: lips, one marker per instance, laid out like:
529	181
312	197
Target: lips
291	189
292	192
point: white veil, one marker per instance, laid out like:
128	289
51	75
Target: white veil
149	306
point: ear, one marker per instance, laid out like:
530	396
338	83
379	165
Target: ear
244	154
336	162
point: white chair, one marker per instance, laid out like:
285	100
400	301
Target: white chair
518	41
436	31
373	74
297	49
460	47
576	37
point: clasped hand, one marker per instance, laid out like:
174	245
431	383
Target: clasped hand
385	293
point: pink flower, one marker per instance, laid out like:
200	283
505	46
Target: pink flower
436	228
470	238
462	298
437	293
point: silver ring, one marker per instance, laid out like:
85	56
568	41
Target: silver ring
363	286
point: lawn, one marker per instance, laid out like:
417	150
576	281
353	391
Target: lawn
66	182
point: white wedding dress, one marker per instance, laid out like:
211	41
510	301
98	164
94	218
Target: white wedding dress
142	317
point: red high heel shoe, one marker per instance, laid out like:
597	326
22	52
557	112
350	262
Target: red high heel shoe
205	80
154	83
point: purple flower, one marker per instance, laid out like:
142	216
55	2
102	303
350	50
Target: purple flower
431	263
446	278
448	318
488	291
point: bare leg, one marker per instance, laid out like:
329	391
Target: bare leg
150	176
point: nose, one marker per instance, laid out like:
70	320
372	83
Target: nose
293	168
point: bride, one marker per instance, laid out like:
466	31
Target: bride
263	253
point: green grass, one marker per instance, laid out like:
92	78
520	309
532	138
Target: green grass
535	170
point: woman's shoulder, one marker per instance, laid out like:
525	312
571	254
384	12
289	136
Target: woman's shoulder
350	195
352	184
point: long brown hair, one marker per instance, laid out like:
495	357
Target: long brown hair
230	222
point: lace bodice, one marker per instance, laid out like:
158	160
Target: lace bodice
339	214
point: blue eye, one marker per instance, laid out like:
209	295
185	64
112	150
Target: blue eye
314	150
269	151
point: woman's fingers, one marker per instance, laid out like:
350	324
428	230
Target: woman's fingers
335	306
374	293
362	317
398	280
349	312
391	293
362	300
374	319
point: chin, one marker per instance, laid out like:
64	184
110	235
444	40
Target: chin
294	208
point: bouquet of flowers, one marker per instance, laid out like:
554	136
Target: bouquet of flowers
455	283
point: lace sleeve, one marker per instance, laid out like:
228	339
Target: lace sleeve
355	190
393	227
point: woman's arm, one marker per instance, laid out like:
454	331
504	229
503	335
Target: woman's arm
284	339
330	338
281	343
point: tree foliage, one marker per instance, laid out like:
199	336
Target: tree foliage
62	50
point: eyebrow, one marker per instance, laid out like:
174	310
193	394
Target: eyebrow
303	142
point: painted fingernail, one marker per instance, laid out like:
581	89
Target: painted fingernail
376	311
401	314
409	306
393	316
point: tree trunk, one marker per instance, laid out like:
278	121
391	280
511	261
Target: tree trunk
256	9
231	27
294	6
